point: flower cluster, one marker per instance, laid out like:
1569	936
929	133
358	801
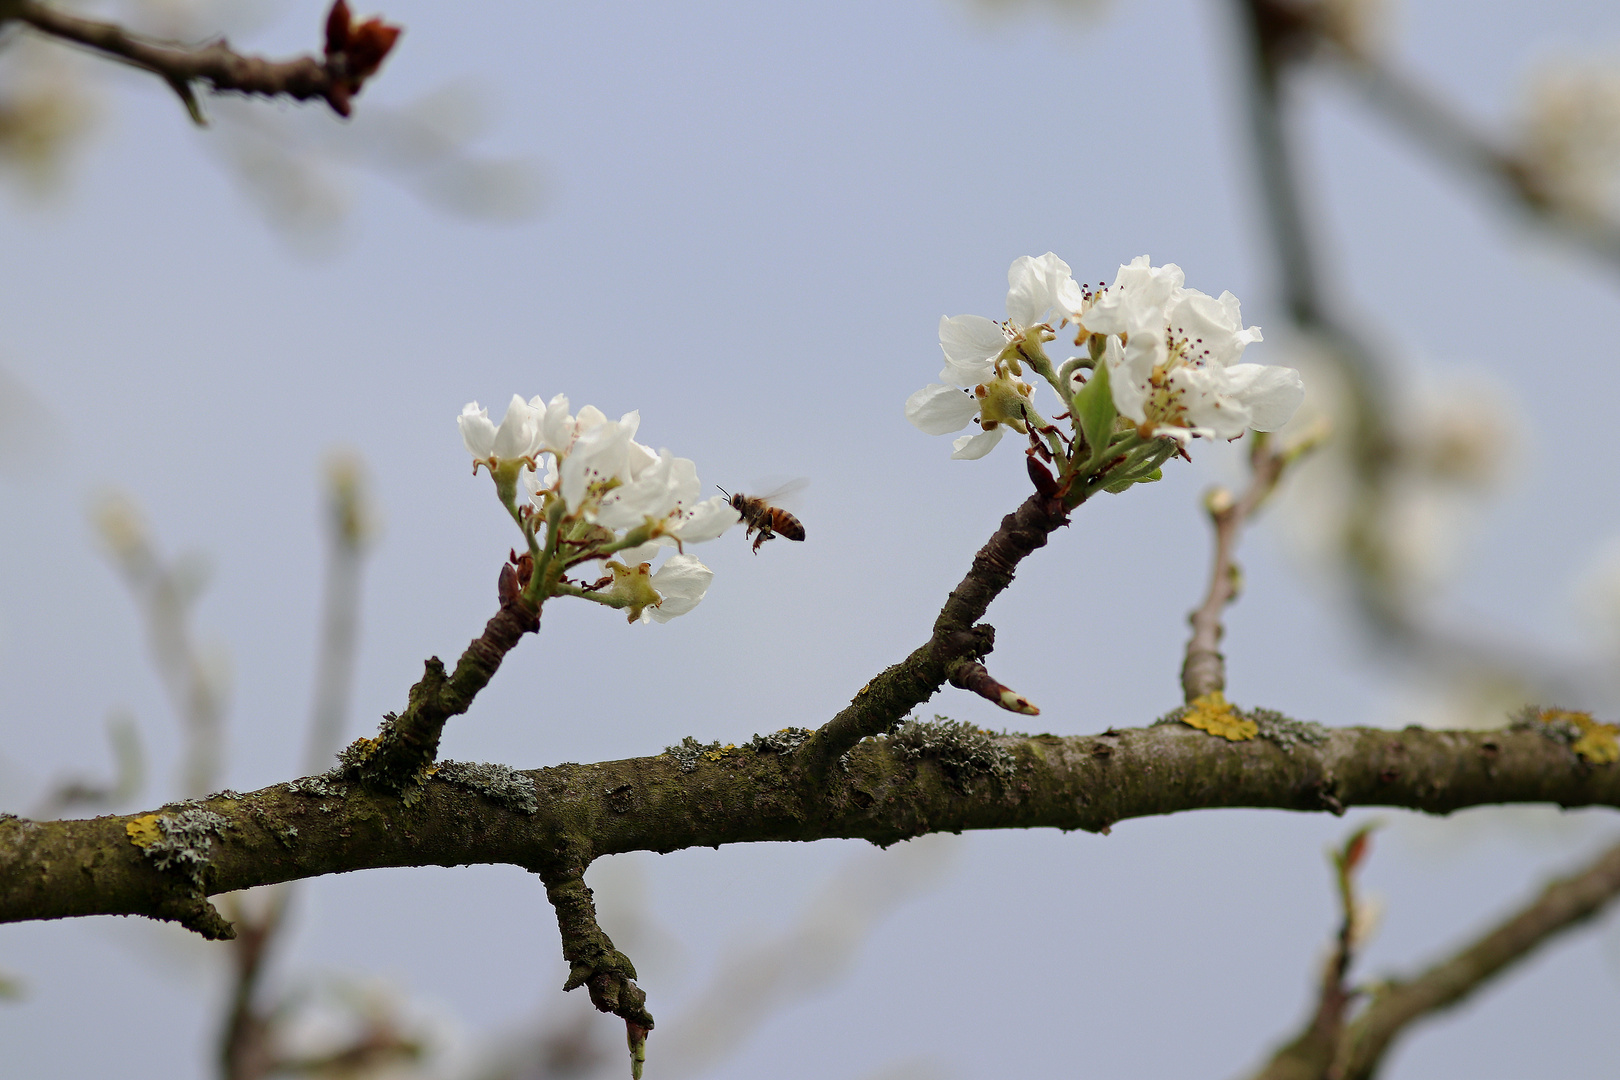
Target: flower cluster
595	494
1171	356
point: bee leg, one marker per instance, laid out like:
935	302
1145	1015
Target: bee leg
764	535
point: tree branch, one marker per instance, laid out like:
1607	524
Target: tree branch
1204	669
1437	127
353	53
956	638
726	795
593	962
398	758
1397	1005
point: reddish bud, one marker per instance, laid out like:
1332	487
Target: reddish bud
1356	849
338	22
1040	476
369	45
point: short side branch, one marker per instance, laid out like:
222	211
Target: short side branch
353	53
397	758
593	962
956	638
1204	670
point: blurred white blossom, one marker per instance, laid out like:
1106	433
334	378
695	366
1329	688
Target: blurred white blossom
1570	133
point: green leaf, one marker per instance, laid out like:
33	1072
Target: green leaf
1094	411
1143	478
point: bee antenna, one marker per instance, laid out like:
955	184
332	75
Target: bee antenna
723	491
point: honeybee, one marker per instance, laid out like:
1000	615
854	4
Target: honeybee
770	520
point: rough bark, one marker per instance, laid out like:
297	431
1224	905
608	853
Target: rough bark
886	791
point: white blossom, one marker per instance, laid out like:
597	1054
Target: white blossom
982	357
680	584
518	435
1173	358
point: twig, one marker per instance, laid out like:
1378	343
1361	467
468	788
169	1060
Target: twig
1204	670
397	759
1397	1005
247	1050
1280	34
165	595
606	973
348	531
353	53
1436	126
1310	1056
957	637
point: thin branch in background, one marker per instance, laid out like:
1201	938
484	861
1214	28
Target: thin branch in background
249	1037
1310	1056
351	524
1439	127
353	53
165	593
759	979
129	775
1281	36
1337	1046
1204	669
1398	1004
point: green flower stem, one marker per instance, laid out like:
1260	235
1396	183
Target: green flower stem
564	588
634	538
1065	374
1131	444
1042	366
548	569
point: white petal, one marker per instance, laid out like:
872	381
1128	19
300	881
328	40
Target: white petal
477	433
557	427
590	416
516	436
683	482
636	458
641	553
1032	288
1129	304
1205	395
650	495
1272	393
598	454
969	447
680	583
970	343
1128	371
938	409
707	520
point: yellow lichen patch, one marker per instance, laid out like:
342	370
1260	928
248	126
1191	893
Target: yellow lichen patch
143	832
1213	713
717	754
1598	743
361	749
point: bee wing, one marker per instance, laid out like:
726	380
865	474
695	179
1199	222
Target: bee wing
786	495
